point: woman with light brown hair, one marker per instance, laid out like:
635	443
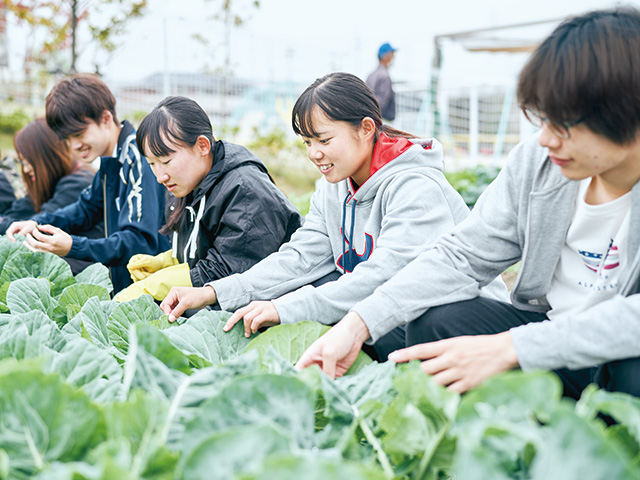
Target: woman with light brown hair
53	179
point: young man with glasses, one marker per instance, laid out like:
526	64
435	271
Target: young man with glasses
565	207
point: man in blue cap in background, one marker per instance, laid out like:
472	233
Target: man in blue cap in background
380	82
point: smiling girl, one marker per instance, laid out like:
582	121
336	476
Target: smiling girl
382	201
53	179
225	212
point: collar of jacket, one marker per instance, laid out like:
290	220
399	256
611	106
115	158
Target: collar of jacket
226	157
126	130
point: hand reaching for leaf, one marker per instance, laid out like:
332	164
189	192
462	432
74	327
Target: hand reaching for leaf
255	315
462	363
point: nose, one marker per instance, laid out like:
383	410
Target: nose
314	153
549	139
161	176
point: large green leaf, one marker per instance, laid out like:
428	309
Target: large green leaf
497	425
373	382
202	339
158	345
622	407
75	296
29	335
96	274
513	396
91	323
42	419
312	467
291	340
30	294
226	454
574	448
199	387
26	264
86	366
9	248
139	424
285	403
141	310
414	426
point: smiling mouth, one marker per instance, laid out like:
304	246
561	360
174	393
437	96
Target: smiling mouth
325	168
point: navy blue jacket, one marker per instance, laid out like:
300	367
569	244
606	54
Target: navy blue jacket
126	196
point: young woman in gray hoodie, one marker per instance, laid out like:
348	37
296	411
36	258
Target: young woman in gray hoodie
382	201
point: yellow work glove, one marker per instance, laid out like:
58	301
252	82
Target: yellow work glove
158	284
140	266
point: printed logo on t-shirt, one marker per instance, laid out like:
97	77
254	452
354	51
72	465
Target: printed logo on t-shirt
593	261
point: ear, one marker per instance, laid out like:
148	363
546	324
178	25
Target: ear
106	118
203	145
367	128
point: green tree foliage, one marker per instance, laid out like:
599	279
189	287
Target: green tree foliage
59	22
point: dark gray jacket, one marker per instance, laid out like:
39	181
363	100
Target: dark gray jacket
380	82
235	217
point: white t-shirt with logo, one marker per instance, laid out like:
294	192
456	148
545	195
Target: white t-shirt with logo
592	257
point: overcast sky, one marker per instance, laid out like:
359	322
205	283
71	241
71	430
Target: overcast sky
303	39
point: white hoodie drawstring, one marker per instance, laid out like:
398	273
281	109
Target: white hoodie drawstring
192	243
136	184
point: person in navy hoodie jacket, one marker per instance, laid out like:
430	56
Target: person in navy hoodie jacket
124	194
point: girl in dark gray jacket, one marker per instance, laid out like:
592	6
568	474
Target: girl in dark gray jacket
225	213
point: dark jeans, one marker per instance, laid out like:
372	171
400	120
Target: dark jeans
482	316
380	350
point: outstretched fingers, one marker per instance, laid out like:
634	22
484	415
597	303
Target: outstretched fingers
421	351
316	355
172	305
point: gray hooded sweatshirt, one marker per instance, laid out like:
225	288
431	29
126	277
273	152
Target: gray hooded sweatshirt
524	215
368	235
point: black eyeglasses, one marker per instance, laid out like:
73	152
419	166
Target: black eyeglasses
560	130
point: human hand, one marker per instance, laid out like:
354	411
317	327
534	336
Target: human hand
336	350
255	315
462	363
180	299
20	228
47	238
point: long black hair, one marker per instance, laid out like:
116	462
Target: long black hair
343	97
175	122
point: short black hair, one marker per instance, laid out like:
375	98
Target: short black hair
589	69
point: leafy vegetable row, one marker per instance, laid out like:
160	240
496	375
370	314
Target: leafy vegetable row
93	389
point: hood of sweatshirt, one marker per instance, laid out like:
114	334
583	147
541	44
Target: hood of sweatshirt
392	155
226	157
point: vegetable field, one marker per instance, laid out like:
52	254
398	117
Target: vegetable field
94	389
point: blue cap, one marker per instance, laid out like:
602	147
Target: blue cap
384	49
